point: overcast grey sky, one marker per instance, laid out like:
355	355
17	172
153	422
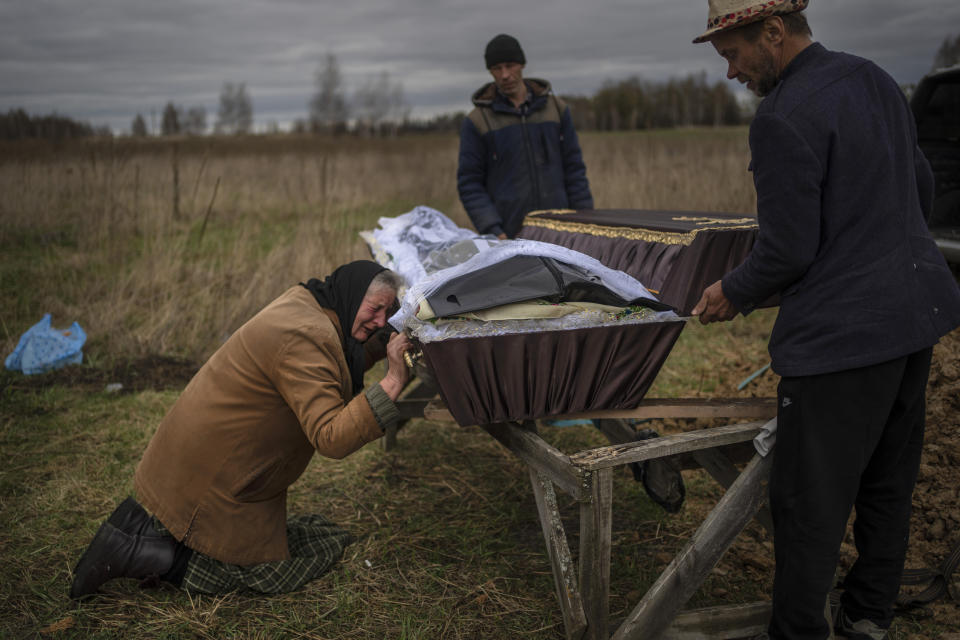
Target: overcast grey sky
103	61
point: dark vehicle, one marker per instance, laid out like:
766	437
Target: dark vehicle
936	107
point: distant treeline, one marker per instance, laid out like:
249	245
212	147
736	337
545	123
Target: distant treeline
618	106
637	104
17	124
634	104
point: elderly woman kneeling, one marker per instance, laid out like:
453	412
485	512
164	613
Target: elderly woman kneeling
214	477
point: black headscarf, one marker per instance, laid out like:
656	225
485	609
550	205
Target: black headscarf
343	291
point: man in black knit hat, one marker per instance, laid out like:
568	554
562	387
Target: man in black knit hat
518	149
519	153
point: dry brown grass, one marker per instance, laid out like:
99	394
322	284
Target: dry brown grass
104	234
98	234
692	169
156	251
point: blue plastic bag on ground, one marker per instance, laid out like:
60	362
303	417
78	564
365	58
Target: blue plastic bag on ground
42	348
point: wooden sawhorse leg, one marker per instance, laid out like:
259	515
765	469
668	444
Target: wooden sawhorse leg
584	592
680	580
584	603
411	404
564	575
596	517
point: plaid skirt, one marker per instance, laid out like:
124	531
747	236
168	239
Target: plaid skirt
315	544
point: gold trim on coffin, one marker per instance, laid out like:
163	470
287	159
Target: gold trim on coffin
705	223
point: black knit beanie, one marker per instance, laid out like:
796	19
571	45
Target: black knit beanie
503	48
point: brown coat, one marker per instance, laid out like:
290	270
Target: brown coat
217	470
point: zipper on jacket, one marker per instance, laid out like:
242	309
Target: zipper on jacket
531	162
489	133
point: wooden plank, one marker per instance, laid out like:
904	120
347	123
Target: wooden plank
529	447
618	431
411	408
739	453
684	575
718	465
436	411
419	389
411	404
720	623
666	445
564	575
389	440
733	408
595	528
621	431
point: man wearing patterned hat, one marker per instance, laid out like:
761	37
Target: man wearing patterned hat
518	149
843	194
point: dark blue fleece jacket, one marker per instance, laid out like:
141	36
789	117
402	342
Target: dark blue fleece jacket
516	160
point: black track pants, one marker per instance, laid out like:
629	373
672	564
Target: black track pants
846	439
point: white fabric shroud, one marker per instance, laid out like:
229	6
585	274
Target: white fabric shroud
413	245
403	244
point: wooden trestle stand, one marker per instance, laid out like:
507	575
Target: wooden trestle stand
583	589
678	253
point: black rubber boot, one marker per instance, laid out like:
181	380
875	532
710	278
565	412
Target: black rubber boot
115	554
132	519
661	477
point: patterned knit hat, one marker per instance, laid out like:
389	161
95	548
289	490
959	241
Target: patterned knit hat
730	14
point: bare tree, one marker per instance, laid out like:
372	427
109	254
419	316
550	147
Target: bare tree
194	121
328	107
236	111
170	121
399	107
380	103
138	127
244	110
369	103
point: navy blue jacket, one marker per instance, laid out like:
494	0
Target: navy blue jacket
843	194
517	160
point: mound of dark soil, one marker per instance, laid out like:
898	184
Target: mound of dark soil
935	522
935	525
149	372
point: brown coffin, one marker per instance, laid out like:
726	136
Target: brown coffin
537	375
674	253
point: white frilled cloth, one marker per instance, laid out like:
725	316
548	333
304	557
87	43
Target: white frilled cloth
427	249
404	243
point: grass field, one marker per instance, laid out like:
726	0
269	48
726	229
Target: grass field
162	250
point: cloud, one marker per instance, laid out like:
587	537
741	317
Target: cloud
106	60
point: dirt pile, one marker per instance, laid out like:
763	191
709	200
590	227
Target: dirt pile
935	525
935	522
149	372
